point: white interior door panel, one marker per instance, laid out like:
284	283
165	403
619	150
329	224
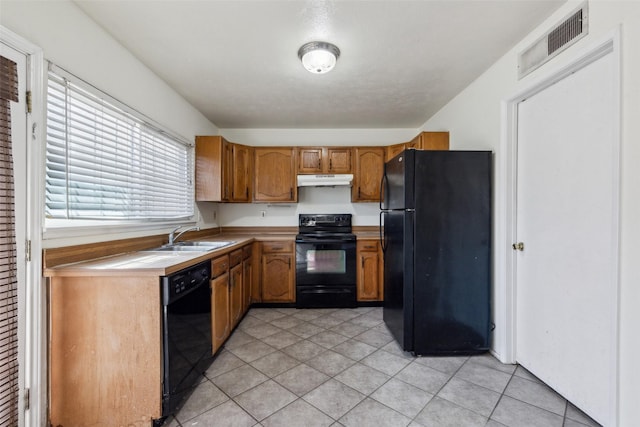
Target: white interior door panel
566	219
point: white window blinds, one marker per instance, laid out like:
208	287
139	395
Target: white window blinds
104	162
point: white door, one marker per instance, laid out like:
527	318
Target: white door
19	153
566	218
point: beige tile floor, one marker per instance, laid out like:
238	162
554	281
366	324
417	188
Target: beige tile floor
341	367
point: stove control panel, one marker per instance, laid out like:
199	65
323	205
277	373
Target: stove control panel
326	222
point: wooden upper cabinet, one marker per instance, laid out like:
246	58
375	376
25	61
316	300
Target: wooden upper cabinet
369	167
275	174
430	141
209	171
339	160
312	160
240	178
422	141
394	150
223	170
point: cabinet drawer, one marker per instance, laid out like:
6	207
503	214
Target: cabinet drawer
271	247
246	252
235	257
368	245
219	266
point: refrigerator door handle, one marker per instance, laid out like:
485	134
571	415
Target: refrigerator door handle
384	178
382	241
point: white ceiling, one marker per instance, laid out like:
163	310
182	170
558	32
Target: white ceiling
236	61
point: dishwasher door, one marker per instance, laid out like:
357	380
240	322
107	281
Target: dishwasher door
187	341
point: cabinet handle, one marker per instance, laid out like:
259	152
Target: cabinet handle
247	192
291	193
289	262
276	248
330	164
358	192
319	163
362	261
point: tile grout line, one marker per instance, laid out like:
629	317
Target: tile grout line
502	394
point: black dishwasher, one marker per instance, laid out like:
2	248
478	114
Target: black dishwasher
186	332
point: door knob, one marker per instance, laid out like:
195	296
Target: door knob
518	246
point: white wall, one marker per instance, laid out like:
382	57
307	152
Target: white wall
289	137
474	120
310	200
74	42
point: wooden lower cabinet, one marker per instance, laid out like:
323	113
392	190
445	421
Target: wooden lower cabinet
277	269
220	317
105	351
370	268
235	295
247	277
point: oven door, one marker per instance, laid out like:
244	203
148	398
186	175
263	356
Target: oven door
325	273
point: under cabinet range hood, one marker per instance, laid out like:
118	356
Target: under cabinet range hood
325	180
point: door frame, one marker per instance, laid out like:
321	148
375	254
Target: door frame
506	265
35	302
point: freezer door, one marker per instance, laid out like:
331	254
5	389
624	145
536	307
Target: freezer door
397	183
398	276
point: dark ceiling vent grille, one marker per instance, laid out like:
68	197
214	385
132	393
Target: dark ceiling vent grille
565	32
556	40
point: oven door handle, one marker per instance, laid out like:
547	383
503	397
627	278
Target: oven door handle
338	290
320	240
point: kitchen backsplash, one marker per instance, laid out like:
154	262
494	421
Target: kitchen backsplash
310	200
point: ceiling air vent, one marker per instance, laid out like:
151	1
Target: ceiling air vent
569	31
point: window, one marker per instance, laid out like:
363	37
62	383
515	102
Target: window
104	161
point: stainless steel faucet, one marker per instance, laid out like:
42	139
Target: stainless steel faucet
172	238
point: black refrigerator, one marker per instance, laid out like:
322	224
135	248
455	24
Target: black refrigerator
436	219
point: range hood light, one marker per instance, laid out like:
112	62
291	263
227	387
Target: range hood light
325	180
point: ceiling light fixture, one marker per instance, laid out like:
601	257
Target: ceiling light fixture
318	57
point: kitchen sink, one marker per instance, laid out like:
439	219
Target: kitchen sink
192	246
209	244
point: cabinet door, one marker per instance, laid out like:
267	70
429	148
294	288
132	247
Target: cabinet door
277	278
209	170
433	141
235	295
227	170
247	280
310	160
394	150
275	175
220	325
339	160
368	276
241	173
368	174
414	143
